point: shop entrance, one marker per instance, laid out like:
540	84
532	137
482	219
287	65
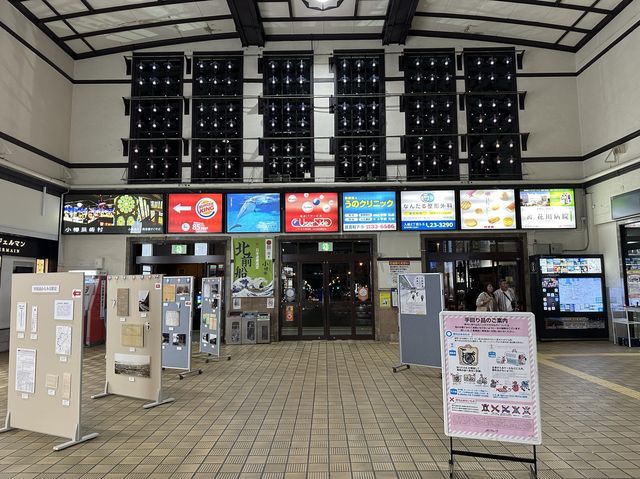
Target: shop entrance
326	294
467	265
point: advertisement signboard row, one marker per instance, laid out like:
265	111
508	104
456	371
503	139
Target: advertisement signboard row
317	212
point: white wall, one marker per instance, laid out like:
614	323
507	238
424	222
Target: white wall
28	212
35	98
608	92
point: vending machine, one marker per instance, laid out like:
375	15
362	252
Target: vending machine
569	296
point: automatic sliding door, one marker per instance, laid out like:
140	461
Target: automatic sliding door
339	299
312	300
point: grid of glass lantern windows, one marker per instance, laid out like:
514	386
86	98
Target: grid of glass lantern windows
217	118
359	114
287	109
430	106
492	114
155	144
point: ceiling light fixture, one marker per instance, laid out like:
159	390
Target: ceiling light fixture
322	5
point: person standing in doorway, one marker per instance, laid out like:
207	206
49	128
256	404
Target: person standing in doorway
506	298
486	301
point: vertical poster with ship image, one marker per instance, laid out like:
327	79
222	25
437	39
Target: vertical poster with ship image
490	376
253	213
252	268
113	214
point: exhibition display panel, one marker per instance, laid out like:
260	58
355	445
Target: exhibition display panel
134	314
211	316
569	299
45	359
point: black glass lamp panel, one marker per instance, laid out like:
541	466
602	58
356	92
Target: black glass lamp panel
492	113
359	159
288	117
429	166
149	162
217	160
429	72
490	71
494	156
217	76
359	74
219	118
156	119
434	115
359	116
287	76
288	159
157	76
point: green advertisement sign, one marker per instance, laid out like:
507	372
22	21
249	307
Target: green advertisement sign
252	268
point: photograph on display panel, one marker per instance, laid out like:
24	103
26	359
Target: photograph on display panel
137	365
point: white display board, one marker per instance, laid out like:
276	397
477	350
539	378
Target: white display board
45	359
389	269
490	376
134	333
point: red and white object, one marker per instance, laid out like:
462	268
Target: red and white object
195	213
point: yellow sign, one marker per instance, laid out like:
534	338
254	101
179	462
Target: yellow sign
385	299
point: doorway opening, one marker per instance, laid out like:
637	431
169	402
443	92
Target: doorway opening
467	265
327	290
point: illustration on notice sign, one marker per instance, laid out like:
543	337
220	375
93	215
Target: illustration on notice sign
195	213
311	212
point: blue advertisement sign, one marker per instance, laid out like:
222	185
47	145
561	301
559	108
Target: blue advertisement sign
253	213
369	211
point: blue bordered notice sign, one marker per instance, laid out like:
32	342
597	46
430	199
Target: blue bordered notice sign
428	210
369	211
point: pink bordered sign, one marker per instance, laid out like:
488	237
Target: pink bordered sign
490	376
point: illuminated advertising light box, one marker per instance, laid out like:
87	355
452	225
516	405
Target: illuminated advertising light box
427	210
253	213
369	211
548	208
487	209
560	265
194	213
113	214
311	212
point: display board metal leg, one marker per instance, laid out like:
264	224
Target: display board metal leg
103	394
400	367
158	402
76	440
533	468
7	423
219	357
189	371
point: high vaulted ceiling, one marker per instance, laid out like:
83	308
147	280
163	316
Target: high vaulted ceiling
88	28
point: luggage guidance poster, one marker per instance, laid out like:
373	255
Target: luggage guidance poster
490	376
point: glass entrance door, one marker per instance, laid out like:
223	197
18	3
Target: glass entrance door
326	296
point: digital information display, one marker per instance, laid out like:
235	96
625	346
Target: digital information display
570	265
487	209
311	212
369	211
113	214
253	213
195	213
581	295
548	208
427	210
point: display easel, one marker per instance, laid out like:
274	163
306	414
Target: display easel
420	302
211	318
133	351
45	359
177	309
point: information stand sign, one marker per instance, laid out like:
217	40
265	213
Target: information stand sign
211	317
490	380
421	301
45	359
177	309
134	314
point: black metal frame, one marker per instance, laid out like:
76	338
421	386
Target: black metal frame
498	457
249	25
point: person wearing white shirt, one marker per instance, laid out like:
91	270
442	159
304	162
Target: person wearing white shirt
506	298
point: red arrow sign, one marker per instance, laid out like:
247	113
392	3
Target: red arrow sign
76	293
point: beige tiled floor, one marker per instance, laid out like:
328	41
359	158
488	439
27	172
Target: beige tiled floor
336	410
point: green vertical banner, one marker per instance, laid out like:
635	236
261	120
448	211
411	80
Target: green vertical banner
252	268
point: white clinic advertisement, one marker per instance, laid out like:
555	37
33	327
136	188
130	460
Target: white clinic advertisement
490	376
428	210
548	208
413	294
